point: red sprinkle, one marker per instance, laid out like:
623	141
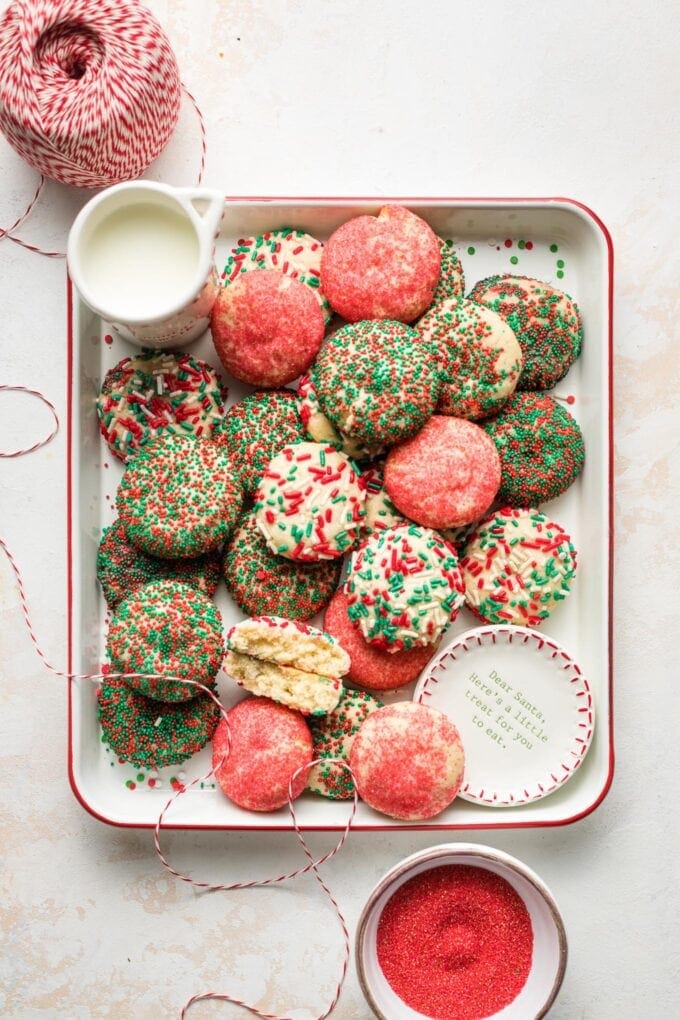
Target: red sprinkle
455	943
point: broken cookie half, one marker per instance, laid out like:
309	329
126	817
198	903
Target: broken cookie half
290	662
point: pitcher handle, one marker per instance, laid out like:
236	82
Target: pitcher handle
207	215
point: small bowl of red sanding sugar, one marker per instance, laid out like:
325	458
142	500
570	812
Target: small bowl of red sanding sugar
460	932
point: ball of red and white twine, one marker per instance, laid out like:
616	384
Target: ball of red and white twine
89	89
312	866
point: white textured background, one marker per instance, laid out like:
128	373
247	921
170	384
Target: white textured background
399	97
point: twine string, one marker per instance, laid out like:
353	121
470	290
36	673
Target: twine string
8	454
312	865
7	231
201	125
257	883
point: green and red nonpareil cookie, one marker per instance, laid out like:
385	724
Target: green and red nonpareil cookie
264	584
541	449
319	427
378	382
256	428
122	567
451	277
179	497
169	629
333	736
151	733
480	357
546	322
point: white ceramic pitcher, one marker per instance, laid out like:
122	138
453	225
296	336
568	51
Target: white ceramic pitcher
141	256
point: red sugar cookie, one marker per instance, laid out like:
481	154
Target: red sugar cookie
266	328
381	267
446	475
370	667
268	743
407	761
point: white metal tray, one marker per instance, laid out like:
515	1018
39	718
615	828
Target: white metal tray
556	240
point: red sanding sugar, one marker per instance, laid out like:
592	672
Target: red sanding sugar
455	943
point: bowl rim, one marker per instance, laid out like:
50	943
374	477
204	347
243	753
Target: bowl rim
439	853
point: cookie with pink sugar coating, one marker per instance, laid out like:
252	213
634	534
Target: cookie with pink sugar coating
408	761
267	328
289	251
444	476
381	267
269	742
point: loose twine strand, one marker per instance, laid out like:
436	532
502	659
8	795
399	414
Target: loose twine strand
312	865
8	454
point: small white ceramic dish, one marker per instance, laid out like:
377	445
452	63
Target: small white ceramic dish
522	706
549	959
